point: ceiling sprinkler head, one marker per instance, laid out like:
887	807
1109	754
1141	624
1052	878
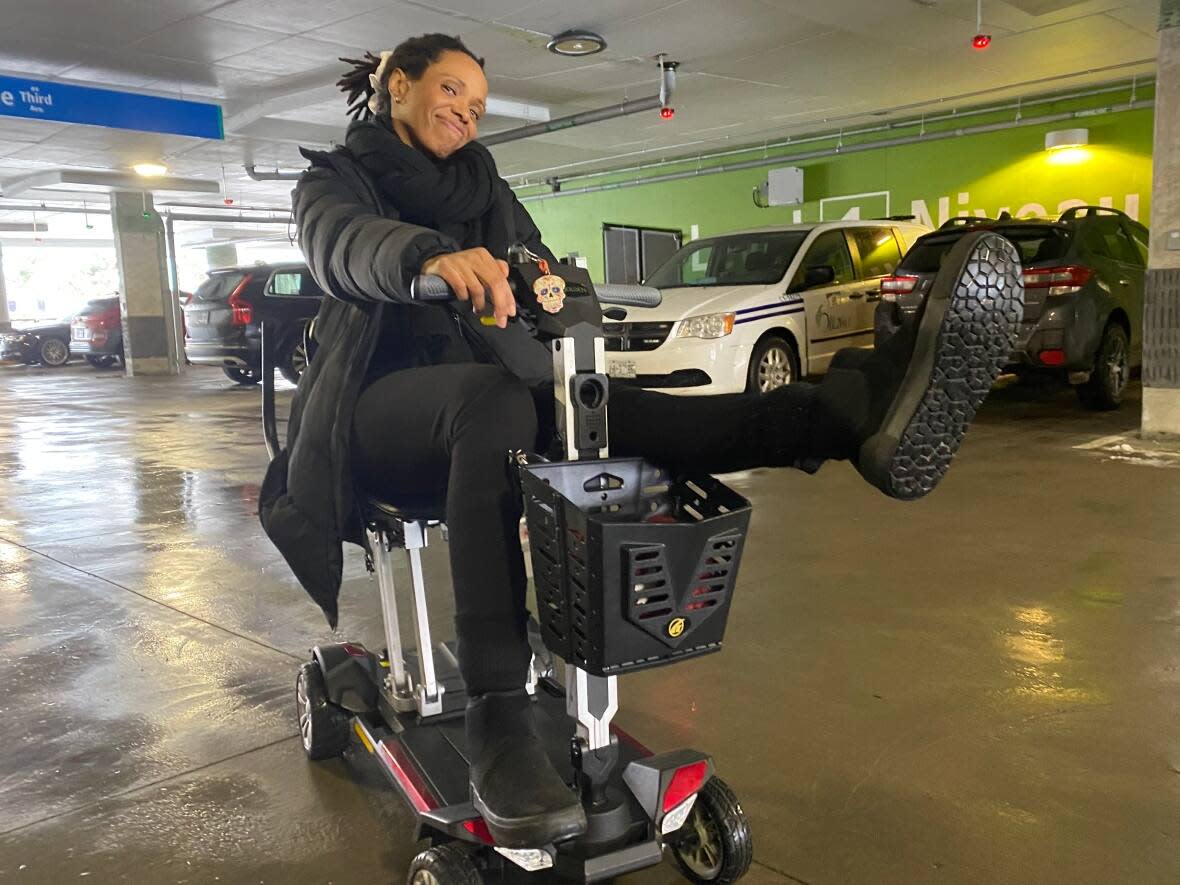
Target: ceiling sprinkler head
981	41
667	113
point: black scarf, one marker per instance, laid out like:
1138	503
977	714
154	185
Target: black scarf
461	196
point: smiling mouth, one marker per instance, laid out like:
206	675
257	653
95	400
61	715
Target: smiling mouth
458	132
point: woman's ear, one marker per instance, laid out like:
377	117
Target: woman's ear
399	84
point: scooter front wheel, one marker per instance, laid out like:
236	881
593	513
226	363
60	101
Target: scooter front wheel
323	727
449	864
714	844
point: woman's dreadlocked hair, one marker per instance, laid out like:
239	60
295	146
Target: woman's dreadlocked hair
413	56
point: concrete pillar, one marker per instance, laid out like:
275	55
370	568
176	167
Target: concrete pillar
5	322
1161	315
225	255
149	314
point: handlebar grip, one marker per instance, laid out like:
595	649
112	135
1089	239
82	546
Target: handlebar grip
628	295
428	287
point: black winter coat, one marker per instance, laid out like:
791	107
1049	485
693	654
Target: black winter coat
364	257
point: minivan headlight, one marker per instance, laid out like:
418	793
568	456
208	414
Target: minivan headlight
712	325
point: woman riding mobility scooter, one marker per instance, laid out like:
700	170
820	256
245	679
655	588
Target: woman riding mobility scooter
634	564
633	569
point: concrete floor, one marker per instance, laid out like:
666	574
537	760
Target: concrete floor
982	687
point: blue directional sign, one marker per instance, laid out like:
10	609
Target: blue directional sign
39	100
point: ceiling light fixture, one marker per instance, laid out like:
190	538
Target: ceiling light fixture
150	170
576	43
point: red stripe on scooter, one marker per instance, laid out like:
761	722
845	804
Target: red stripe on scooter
630	741
391	752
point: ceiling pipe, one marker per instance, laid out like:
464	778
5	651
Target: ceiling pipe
792	141
623	109
845	149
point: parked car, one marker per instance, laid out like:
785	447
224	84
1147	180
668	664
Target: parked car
757	309
44	343
222	319
1083	280
97	332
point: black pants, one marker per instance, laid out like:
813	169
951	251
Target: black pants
444	431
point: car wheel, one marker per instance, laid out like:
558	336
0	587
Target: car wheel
1112	370
245	377
101	362
773	364
293	361
54	352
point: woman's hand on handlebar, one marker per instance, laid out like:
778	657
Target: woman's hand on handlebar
473	275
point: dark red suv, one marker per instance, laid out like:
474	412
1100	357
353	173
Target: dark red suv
97	332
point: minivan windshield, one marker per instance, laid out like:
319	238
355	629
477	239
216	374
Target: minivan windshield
737	260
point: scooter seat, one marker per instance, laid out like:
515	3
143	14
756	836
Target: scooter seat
378	510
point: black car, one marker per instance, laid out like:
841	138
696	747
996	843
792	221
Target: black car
223	316
45	343
1083	281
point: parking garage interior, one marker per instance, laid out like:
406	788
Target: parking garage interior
976	687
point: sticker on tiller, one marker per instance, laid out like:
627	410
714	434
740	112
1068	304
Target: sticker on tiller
549	289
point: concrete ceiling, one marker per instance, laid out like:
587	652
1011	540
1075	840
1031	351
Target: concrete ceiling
751	70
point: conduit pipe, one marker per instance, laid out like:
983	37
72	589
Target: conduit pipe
635	106
925	120
845	149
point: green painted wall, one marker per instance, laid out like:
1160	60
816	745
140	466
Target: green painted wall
977	174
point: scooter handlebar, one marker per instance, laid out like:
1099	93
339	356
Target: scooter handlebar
628	295
428	287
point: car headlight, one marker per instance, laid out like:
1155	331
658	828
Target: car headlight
712	325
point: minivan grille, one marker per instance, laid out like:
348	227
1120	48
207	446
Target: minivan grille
622	337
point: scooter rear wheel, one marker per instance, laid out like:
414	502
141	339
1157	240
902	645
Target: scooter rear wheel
323	728
714	844
449	864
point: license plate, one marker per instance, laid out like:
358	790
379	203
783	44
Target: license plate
81	333
620	368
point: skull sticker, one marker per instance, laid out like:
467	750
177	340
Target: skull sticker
550	291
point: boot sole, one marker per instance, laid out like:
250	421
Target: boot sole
968	330
535	830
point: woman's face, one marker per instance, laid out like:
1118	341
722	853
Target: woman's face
438	112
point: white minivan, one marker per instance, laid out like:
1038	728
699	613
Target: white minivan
754	310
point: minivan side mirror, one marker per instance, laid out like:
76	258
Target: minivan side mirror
819	275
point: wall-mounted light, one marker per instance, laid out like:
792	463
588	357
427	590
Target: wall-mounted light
1067	146
1061	139
150	170
576	43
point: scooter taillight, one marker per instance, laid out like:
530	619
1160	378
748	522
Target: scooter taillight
479	829
685	782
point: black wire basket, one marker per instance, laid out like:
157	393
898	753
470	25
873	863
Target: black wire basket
633	568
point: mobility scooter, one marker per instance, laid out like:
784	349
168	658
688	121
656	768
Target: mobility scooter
633	568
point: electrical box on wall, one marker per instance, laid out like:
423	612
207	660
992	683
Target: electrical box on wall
783	187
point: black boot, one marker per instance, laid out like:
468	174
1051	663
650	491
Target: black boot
900	413
522	798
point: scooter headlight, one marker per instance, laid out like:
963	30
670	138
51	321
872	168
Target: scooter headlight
712	325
